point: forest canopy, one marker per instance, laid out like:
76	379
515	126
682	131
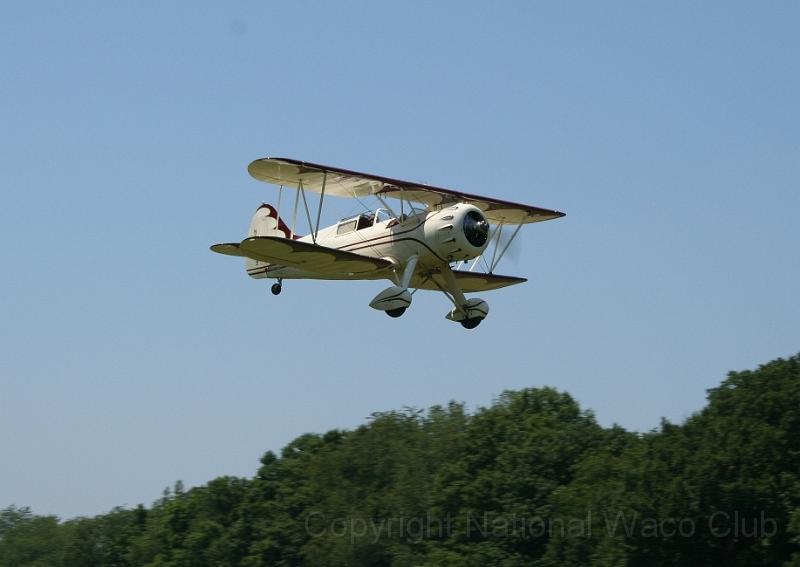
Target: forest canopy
531	479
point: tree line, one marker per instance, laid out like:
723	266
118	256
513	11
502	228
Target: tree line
531	479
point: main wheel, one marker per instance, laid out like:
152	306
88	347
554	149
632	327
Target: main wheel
471	323
396	312
276	289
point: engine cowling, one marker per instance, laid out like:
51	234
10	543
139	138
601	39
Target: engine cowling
458	232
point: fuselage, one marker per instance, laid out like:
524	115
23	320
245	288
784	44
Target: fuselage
451	233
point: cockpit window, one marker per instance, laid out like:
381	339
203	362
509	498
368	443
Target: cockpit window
345	226
365	221
382	215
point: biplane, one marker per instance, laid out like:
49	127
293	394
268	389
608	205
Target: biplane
428	238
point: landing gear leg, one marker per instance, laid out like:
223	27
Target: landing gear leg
395	300
276	287
468	312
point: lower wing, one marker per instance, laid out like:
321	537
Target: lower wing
303	255
470	282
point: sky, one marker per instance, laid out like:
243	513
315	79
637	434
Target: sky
131	356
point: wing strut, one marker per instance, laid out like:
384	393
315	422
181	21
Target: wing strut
496	238
503	251
308	215
294	214
301	192
321	198
280	196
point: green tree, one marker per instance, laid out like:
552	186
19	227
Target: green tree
728	476
516	454
29	541
530	479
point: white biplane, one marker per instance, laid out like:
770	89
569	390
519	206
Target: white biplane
437	247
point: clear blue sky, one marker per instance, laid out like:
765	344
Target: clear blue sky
132	356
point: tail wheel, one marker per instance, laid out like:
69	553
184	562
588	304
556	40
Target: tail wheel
395	313
276	289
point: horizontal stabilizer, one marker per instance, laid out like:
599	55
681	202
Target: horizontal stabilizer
229	249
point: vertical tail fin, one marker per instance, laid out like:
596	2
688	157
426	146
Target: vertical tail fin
265	222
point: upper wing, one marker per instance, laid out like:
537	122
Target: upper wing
346	183
470	282
303	255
